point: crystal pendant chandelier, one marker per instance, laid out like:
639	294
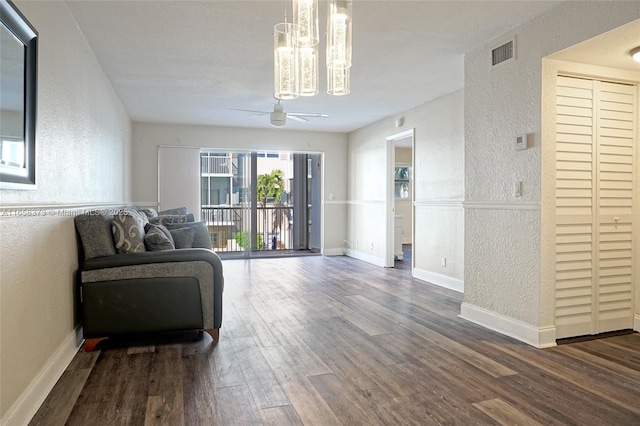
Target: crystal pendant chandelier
305	18
338	81
308	67
339	47
339	34
305	22
296	50
285	62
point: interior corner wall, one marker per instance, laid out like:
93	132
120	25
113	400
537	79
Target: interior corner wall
83	139
148	137
503	232
438	189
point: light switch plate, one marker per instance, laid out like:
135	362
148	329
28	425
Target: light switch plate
517	188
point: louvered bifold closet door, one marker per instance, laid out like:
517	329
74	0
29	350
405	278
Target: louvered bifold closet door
575	210
594	201
616	131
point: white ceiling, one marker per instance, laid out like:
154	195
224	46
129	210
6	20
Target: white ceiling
610	49
190	61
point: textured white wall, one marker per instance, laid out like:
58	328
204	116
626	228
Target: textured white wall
366	189
503	276
83	141
438	181
499	105
147	137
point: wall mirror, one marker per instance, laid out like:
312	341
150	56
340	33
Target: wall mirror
18	95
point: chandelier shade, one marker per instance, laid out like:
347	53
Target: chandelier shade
339	34
285	62
305	19
338	81
308	61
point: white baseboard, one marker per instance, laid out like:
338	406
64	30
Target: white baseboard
439	279
28	403
636	322
378	261
540	337
333	251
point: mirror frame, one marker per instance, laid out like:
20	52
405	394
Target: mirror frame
11	17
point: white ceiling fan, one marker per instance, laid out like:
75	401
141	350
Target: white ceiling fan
278	118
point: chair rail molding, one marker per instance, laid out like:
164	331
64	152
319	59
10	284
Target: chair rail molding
502	205
439	203
365	202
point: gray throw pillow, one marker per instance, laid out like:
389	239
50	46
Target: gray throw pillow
201	237
95	235
128	232
157	237
183	237
150	226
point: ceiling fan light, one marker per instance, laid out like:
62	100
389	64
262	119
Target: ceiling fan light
305	19
339	34
338	81
278	118
635	54
285	59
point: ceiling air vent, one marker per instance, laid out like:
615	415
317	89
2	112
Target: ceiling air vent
503	54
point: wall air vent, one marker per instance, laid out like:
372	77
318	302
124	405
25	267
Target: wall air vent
503	54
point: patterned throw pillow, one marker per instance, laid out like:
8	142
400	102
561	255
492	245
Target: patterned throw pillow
169	219
128	232
179	211
157	237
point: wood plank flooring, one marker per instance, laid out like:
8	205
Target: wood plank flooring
335	341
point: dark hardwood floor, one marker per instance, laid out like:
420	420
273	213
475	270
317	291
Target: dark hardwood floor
335	341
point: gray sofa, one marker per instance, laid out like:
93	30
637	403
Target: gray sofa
134	282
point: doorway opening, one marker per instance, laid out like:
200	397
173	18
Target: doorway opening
399	199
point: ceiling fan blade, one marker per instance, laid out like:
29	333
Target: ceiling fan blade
296	118
307	114
250	110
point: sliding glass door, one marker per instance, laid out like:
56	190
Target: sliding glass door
257	203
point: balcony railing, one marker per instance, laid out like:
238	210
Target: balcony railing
230	228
